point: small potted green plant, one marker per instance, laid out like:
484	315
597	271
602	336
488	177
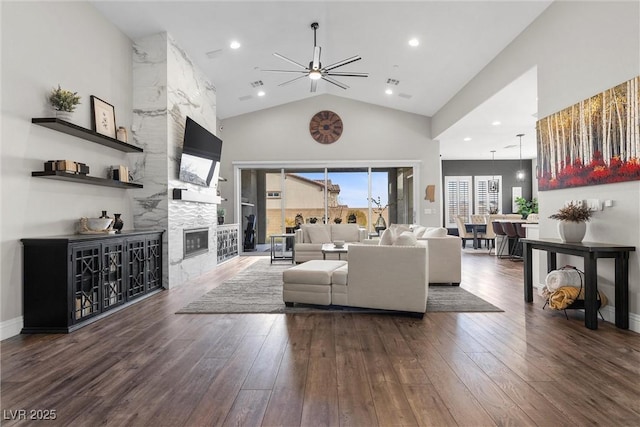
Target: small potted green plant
63	101
221	213
572	225
526	207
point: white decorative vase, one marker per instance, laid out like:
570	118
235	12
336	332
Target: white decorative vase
63	115
572	232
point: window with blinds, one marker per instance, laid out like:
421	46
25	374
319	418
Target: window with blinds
487	197
458	198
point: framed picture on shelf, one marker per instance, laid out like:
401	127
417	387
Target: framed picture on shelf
103	117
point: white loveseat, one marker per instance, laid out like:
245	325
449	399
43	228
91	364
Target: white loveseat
310	238
445	251
379	277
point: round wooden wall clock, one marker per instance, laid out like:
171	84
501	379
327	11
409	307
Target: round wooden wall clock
325	127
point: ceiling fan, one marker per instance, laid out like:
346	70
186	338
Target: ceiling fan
315	71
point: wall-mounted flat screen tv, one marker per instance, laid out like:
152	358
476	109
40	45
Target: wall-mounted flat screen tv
200	160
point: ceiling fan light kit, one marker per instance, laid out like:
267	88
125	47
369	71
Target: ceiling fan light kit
315	71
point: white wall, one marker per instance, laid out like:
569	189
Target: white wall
281	134
44	44
579	49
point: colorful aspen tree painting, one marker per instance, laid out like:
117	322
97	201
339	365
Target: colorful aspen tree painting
596	141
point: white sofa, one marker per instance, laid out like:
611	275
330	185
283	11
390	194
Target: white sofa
310	238
445	253
384	277
380	277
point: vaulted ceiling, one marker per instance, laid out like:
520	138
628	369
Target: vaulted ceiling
456	40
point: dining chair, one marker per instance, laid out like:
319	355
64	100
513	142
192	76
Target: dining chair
496	226
522	234
490	237
510	229
481	232
462	230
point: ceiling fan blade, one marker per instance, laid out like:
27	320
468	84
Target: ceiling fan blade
345	74
335	82
343	62
287	71
314	85
291	61
316	58
291	81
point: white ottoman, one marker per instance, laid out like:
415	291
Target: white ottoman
309	282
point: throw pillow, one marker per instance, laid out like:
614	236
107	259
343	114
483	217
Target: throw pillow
406	238
434	232
319	234
418	230
399	228
387	237
346	232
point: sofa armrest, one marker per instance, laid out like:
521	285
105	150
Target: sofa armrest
445	259
299	236
362	234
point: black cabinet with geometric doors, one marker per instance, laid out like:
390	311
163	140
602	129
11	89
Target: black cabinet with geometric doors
71	281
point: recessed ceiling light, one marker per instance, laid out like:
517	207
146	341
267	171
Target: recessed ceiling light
234	44
467	139
261	93
388	91
414	42
496	123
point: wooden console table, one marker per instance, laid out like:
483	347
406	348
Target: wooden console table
590	252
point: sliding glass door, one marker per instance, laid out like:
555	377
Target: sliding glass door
283	199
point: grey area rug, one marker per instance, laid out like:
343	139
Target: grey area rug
258	289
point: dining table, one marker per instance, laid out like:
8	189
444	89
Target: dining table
476	229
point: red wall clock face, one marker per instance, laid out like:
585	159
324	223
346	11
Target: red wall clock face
325	127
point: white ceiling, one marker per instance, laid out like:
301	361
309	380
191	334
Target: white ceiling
457	39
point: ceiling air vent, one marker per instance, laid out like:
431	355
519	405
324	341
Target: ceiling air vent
405	95
245	98
213	53
393	82
257	83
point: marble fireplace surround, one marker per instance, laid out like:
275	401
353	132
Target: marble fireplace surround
168	87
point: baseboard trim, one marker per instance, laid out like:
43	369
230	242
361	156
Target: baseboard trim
10	328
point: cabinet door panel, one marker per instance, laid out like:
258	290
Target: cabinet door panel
86	281
136	256
154	263
113	292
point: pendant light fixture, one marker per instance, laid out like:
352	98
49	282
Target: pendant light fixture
520	174
493	183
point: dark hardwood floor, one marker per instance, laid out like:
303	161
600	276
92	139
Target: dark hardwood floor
146	365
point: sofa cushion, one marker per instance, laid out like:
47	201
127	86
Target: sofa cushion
434	232
314	272
399	228
387	237
418	230
305	231
339	276
346	232
319	234
406	238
